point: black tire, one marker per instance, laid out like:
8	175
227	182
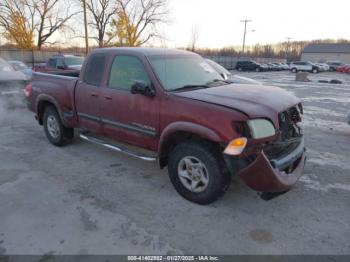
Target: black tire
240	69
218	176
315	71
63	134
257	69
294	70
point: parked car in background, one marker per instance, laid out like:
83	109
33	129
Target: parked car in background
11	81
250	66
285	66
323	67
344	68
275	66
334	65
229	77
186	117
265	66
281	66
67	65
22	67
304	66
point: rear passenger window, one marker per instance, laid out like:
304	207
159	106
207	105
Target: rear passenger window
59	63
94	69
125	71
51	63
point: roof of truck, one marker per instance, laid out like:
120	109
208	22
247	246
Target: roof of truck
148	51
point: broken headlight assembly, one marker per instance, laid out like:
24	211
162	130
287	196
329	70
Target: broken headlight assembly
261	128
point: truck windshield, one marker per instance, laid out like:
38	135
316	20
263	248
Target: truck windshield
74	61
176	72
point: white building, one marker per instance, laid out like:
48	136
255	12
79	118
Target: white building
326	52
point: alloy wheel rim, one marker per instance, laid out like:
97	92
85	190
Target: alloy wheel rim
52	127
193	174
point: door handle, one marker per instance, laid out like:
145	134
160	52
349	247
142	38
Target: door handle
108	97
94	94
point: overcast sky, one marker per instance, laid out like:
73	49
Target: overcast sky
219	24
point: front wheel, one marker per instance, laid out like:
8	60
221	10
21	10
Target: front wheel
315	70
257	69
197	172
55	132
294	70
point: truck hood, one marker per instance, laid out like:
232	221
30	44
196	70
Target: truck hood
256	101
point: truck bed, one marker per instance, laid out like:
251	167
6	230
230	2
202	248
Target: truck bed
57	89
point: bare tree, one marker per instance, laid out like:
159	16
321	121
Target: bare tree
18	22
53	16
100	16
45	17
137	21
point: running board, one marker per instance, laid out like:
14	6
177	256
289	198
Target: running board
121	149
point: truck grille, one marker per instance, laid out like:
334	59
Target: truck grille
290	134
288	121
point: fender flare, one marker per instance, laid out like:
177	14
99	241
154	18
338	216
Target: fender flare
50	99
182	126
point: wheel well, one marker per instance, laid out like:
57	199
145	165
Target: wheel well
177	138
41	110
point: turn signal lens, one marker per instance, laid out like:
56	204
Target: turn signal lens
236	147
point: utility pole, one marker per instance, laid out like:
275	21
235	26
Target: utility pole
86	29
245	32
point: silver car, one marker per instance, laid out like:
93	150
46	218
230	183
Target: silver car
22	67
11	81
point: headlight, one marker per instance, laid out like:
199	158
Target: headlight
261	128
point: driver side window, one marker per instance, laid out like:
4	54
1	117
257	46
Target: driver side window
125	71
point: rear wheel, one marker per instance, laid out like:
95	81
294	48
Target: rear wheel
257	69
315	70
55	132
294	70
197	172
240	69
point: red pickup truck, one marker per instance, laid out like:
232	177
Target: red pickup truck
171	106
67	65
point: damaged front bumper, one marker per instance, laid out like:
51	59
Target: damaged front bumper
275	175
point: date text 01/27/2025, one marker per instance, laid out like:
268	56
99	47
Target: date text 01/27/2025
173	258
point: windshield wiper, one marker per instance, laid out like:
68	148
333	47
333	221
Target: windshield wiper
190	87
218	80
207	85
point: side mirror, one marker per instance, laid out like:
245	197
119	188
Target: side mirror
224	76
143	88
